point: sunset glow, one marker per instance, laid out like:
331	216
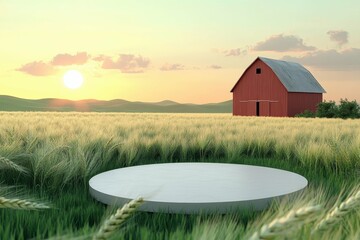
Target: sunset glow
124	47
73	79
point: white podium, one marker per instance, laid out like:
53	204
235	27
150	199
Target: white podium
195	187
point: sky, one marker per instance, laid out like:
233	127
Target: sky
186	51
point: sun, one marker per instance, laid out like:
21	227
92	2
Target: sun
73	79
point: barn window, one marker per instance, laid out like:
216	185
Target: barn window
258	71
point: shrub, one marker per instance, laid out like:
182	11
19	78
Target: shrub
348	109
327	110
306	114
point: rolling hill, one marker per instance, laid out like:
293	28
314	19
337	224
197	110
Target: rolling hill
9	103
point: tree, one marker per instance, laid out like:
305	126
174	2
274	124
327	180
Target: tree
327	110
348	109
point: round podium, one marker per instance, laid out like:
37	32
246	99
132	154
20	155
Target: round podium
195	187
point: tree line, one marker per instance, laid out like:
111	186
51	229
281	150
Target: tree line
345	109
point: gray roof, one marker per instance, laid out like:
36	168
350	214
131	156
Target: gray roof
293	76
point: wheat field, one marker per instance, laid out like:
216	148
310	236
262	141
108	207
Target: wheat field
51	156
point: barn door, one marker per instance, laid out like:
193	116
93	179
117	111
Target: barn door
265	108
243	110
251	108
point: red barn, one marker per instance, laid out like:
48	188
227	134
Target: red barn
271	87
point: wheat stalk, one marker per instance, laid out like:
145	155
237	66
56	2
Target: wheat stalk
338	212
8	163
283	225
20	204
115	220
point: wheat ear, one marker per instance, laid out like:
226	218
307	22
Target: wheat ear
115	220
8	163
283	225
20	204
338	212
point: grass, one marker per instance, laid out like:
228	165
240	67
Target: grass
284	225
16	203
114	222
6	163
60	152
339	212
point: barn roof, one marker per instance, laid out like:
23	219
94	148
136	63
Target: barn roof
293	76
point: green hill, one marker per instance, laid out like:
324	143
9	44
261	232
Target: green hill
9	103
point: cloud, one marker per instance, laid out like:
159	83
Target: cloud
215	66
100	58
126	63
340	37
234	52
66	59
37	68
348	59
172	67
283	43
